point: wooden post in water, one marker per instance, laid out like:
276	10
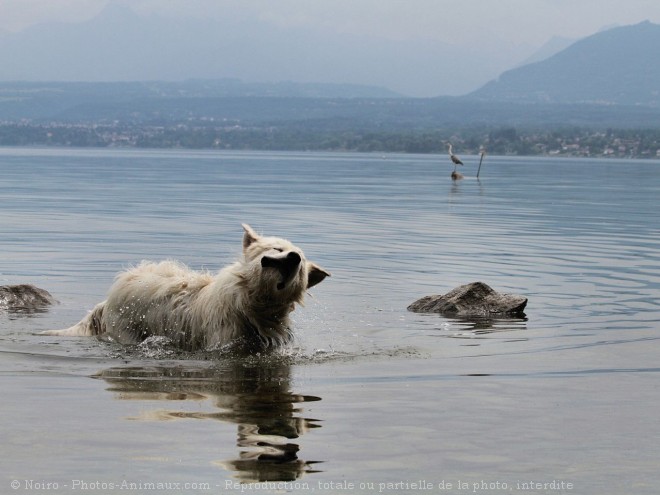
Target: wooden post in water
482	153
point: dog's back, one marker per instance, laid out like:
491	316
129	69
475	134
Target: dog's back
153	299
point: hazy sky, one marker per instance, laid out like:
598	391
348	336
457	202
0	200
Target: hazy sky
455	21
499	34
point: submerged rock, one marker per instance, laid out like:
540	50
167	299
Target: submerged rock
475	299
24	298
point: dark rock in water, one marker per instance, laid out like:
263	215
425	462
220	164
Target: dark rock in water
24	298
475	299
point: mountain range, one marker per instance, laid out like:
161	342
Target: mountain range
121	45
619	66
609	78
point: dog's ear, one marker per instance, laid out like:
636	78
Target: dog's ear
249	236
315	274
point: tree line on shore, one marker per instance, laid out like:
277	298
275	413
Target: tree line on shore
497	140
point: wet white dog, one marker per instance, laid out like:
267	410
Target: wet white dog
247	302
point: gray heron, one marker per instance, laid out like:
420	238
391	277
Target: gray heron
453	157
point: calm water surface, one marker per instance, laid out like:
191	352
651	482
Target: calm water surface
370	398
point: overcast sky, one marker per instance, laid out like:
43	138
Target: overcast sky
502	32
456	21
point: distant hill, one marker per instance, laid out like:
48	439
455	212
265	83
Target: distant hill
618	66
302	107
555	45
92	101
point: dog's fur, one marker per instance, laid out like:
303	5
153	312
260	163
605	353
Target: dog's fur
247	302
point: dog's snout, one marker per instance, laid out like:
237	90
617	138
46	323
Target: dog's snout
286	264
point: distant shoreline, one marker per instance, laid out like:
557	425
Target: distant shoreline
568	142
212	115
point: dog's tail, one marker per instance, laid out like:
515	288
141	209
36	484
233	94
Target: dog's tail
90	325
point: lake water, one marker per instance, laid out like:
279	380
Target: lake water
370	398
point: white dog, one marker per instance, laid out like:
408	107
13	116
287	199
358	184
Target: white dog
247	302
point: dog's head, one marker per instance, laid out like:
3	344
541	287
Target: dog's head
284	272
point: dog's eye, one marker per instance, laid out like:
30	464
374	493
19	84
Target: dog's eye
279	250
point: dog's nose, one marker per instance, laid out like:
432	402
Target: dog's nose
268	262
293	258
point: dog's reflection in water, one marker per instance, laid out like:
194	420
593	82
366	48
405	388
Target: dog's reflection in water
255	396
